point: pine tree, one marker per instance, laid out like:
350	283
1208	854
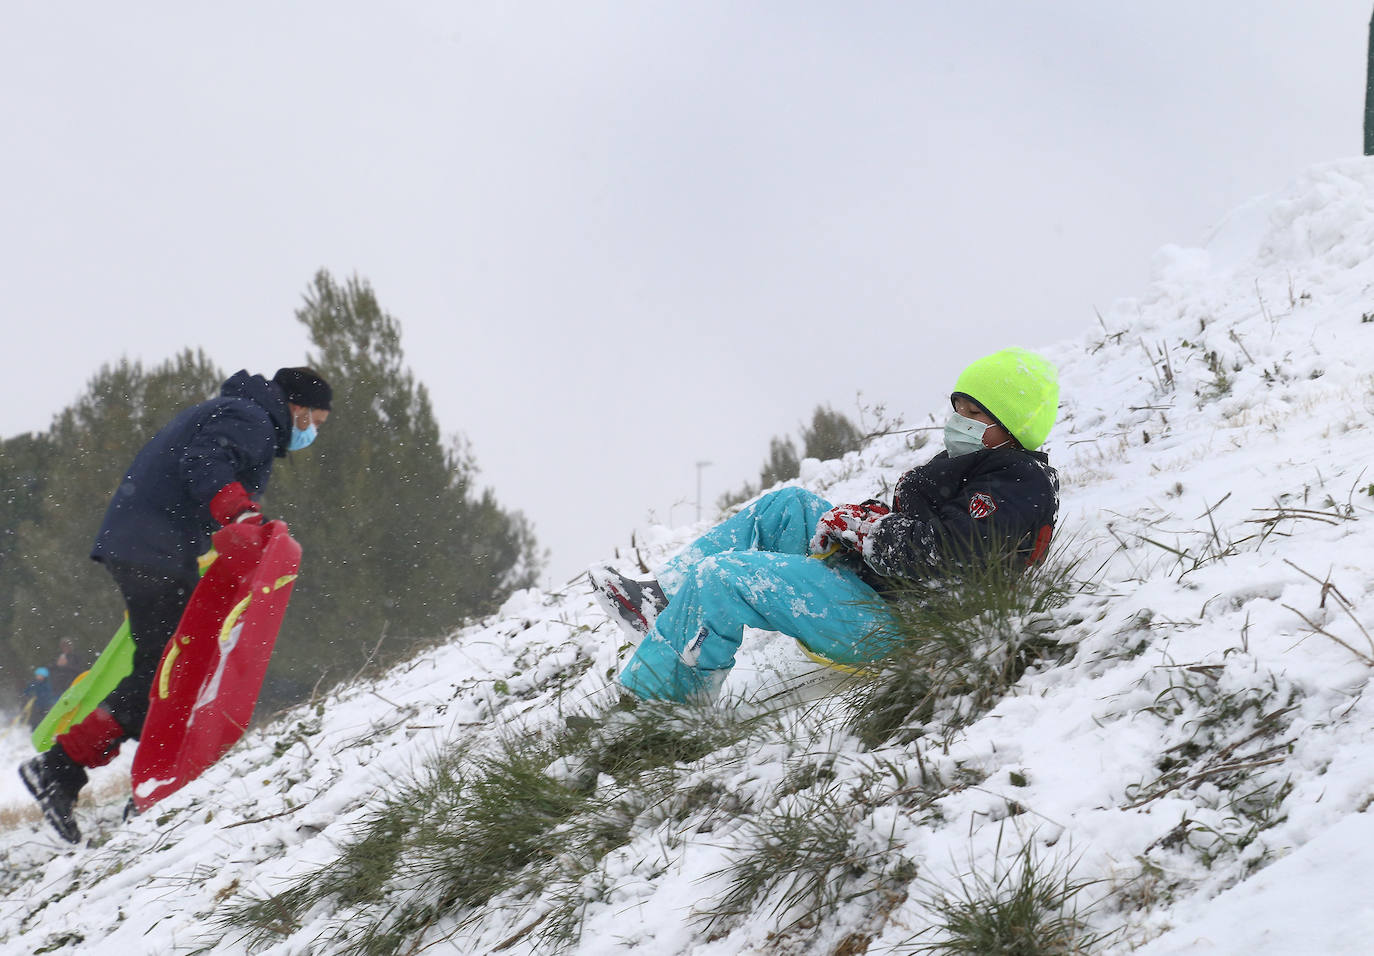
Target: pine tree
830	435
396	540
782	464
24	464
52	587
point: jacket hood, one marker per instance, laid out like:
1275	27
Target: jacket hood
267	394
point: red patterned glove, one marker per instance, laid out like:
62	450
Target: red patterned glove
232	503
847	525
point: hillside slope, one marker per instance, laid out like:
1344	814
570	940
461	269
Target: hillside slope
1193	743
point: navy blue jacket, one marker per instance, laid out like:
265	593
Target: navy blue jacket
953	509
160	514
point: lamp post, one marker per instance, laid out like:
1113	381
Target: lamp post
700	465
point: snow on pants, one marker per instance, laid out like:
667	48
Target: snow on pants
753	570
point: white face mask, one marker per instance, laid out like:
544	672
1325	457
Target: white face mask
963	435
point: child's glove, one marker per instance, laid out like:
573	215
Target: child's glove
847	526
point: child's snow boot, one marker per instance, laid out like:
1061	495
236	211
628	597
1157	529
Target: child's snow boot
633	604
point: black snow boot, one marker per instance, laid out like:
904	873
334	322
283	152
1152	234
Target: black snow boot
634	604
55	780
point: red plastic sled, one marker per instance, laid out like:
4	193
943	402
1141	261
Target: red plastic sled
212	669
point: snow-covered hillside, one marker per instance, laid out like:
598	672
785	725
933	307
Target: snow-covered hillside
1197	749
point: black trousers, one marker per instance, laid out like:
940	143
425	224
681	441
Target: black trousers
155	599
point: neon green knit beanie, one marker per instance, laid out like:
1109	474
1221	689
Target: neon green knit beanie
1019	388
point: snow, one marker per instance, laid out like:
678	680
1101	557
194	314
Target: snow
1215	448
1324	887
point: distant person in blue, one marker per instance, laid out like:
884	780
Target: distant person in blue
792	562
203	471
39	696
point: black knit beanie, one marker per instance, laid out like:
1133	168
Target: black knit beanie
304	387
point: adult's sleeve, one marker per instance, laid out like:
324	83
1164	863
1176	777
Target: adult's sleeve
232	441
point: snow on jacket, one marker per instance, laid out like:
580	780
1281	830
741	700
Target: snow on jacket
952	509
160	515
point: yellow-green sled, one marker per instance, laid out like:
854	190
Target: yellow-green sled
91	687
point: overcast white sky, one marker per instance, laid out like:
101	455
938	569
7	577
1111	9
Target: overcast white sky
622	238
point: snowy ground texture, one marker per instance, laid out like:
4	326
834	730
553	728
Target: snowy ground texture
1201	749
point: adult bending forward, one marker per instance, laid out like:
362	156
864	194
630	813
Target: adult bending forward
204	470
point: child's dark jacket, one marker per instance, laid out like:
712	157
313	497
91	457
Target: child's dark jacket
951	510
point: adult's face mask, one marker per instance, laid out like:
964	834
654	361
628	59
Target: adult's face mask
300	438
963	435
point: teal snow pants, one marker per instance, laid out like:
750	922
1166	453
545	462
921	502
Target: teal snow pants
753	570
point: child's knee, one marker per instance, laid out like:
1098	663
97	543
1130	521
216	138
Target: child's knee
710	574
792	495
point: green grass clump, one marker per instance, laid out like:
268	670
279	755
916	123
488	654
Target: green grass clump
1027	909
955	644
653	734
809	854
524	816
363	870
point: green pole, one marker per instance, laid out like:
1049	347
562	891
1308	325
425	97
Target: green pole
1369	95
